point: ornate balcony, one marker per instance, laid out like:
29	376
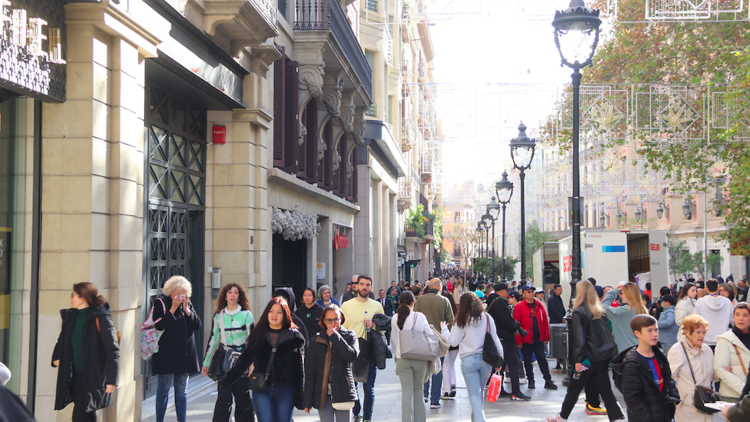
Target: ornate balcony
244	22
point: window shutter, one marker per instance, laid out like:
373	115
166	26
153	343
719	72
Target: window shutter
278	108
311	143
291	115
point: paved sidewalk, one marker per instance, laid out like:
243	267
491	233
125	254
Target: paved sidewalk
388	403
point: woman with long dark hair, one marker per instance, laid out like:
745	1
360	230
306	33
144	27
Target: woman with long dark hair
329	382
232	323
468	332
592	347
87	354
310	313
411	372
685	306
273	331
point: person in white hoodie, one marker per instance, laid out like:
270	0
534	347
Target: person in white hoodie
732	354
717	310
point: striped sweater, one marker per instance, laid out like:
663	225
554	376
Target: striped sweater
236	327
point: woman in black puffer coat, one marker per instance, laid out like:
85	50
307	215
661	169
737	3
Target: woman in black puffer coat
343	347
286	376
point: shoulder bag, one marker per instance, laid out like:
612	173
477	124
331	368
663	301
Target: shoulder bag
418	345
232	353
702	394
258	381
490	353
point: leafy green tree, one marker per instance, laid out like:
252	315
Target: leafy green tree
535	238
484	265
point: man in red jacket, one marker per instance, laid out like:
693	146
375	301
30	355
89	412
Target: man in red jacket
533	318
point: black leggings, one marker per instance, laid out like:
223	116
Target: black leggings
80	400
244	405
598	373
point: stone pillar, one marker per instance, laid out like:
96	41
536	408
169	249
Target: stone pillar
92	193
362	222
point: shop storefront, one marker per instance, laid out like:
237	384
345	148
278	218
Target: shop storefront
32	71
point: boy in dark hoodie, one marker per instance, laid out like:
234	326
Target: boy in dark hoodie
646	377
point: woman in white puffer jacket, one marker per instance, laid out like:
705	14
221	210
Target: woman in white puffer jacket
685	306
732	354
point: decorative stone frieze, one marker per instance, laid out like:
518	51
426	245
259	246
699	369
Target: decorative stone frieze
244	22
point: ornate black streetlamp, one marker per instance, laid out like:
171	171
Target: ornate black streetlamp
522	152
486	221
504	191
493	210
480	230
576	37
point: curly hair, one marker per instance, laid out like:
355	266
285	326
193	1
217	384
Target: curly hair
469	310
221	301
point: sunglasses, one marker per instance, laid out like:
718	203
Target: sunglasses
332	320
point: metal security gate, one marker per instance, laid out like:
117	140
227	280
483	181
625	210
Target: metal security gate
174	230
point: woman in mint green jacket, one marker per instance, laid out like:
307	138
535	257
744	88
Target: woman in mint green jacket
630	305
234	318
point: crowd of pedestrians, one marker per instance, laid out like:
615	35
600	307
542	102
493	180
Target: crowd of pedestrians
667	355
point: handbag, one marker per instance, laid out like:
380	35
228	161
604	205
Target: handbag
490	353
258	381
150	335
216	367
232	354
702	394
418	345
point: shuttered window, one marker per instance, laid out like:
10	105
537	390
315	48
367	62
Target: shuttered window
285	113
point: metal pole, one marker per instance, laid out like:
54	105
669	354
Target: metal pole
576	270
493	250
523	229
487	244
504	242
705	233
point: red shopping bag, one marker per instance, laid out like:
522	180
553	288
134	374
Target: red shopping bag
496	384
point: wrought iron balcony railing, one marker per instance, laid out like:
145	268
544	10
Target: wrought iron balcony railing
327	15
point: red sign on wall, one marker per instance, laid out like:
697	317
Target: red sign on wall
567	263
340	241
655	247
220	134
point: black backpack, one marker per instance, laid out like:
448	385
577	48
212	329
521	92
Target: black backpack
618	365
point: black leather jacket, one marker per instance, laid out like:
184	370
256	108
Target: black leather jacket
591	338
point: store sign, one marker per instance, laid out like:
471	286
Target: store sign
27	55
340	241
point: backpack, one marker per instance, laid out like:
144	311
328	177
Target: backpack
618	365
150	335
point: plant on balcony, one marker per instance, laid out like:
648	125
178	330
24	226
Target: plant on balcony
294	225
416	220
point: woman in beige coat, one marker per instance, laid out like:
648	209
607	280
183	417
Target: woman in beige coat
702	361
733	354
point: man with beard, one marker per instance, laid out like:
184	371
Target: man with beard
353	293
358	313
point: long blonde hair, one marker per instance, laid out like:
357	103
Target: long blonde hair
633	294
586	296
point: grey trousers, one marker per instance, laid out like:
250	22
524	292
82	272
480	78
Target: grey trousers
412	372
327	413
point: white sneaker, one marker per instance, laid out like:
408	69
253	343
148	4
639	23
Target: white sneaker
522	380
507	380
556	418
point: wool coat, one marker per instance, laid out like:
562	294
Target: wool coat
702	363
344	349
100	351
177	352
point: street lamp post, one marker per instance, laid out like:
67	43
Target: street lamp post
485	218
480	230
576	37
504	191
493	210
522	153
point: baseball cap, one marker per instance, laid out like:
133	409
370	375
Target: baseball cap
539	290
599	291
527	287
514	294
622	283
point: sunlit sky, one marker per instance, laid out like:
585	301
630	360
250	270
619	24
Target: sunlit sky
496	65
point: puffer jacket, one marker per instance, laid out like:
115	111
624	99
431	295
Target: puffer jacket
732	382
644	399
667	328
380	351
590	338
344	350
100	351
287	370
522	314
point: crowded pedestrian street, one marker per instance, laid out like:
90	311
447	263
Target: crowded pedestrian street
388	408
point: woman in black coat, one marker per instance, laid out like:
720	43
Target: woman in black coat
343	347
87	354
592	347
274	330
310	312
177	357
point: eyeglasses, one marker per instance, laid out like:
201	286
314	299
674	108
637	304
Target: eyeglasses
331	321
73	294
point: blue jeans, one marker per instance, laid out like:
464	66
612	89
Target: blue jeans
180	382
369	399
437	383
476	372
276	404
